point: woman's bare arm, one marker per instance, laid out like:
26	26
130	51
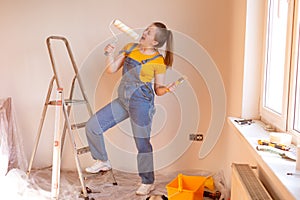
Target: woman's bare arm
159	85
113	64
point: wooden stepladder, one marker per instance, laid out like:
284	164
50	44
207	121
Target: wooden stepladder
62	114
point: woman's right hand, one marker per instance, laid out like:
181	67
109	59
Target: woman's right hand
113	63
109	49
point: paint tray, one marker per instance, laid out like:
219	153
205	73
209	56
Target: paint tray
186	188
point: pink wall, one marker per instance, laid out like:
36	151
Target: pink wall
219	26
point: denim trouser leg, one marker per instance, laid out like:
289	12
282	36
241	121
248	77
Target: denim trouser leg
141	121
145	160
104	119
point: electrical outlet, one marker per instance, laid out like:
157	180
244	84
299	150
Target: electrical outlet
196	137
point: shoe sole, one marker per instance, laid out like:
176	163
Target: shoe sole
142	194
96	172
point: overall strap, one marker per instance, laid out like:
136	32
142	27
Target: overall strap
149	59
127	52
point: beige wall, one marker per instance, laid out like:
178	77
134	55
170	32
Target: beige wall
218	26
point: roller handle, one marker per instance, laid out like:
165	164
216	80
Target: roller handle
114	44
178	82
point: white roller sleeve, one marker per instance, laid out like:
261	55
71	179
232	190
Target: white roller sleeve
121	26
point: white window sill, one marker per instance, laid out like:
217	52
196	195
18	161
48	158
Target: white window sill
275	167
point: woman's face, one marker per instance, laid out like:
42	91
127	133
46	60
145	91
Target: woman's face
147	39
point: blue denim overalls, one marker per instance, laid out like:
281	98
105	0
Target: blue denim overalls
136	102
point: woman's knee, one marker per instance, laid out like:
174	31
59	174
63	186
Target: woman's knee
93	127
143	145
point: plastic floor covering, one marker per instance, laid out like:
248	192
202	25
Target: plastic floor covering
101	185
18	186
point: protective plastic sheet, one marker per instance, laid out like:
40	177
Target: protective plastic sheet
16	185
11	148
38	186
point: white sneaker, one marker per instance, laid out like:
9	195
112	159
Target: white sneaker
145	189
99	166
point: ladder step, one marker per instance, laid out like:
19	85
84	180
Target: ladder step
74	101
76	126
68	102
55	103
91	176
83	150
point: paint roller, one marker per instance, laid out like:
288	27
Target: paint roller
124	28
178	82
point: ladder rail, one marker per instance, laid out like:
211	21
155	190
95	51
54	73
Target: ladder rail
77	77
56	156
58	83
68	111
75	68
42	120
74	149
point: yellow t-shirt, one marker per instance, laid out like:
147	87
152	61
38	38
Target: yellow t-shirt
149	69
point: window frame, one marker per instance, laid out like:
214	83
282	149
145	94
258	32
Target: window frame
279	121
295	63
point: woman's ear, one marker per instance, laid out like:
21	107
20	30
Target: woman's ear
154	43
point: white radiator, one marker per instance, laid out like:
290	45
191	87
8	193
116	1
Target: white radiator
245	185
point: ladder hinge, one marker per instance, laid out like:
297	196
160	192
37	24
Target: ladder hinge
68	102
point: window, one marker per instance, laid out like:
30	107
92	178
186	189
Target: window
281	86
294	120
276	45
277	62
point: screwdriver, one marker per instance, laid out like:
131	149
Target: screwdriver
275	145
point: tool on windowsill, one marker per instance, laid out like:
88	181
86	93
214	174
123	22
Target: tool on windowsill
244	121
291	173
272	144
283	155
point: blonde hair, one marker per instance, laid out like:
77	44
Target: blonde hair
162	36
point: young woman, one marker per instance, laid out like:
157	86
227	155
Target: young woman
141	63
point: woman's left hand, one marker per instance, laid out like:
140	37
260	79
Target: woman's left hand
171	87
